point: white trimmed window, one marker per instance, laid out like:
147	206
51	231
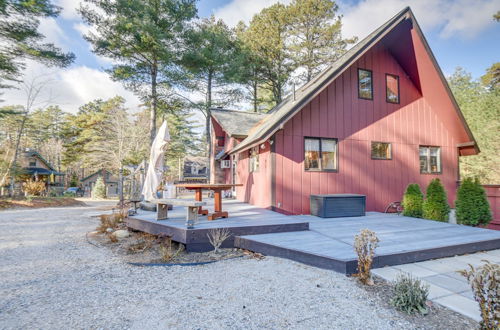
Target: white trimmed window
430	160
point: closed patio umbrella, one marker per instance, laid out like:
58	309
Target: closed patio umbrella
156	163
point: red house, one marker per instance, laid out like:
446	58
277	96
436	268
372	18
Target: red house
379	118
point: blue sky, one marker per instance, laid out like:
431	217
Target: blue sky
460	33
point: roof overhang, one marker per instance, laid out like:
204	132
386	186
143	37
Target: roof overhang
221	155
468	149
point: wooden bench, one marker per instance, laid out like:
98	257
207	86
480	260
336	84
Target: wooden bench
192	207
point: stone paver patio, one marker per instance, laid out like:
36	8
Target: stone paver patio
446	286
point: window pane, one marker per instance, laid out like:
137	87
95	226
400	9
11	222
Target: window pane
424	160
311	160
328	154
365	84
381	150
435	160
392	88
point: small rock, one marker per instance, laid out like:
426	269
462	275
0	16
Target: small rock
122	233
109	230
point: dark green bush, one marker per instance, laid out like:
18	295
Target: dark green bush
472	207
435	205
413	200
409	294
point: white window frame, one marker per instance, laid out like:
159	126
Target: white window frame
428	160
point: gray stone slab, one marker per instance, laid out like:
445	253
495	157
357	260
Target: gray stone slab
448	283
462	305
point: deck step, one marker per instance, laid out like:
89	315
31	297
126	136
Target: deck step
333	250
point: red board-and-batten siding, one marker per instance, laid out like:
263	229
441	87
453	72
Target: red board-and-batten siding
337	112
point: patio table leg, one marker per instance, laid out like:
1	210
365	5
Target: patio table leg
218	206
198	197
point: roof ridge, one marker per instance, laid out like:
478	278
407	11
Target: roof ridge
238	111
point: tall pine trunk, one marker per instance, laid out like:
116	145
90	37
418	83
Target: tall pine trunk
207	124
154	102
255	99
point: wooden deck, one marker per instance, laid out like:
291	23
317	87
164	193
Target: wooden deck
329	242
325	243
244	219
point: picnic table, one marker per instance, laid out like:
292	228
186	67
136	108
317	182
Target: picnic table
217	188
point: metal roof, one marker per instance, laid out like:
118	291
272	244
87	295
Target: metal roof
237	123
40	171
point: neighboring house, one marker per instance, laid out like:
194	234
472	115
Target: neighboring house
35	167
379	118
194	170
110	180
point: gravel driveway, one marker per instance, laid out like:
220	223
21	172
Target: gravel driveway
52	278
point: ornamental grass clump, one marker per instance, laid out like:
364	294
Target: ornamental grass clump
435	205
217	236
34	188
409	294
167	250
110	221
485	284
472	207
365	244
413	200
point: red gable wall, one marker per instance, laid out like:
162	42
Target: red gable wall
338	113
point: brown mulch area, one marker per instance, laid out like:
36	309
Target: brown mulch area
38	202
141	247
438	317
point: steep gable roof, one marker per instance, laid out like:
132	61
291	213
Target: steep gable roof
284	111
98	172
33	153
237	123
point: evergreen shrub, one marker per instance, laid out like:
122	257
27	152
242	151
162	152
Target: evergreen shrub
413	200
472	207
99	190
435	205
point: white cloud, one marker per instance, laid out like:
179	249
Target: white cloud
464	18
70	88
243	10
69	8
52	32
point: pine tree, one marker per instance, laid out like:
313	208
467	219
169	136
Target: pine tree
472	207
435	205
315	35
413	200
267	37
99	189
211	51
145	37
21	40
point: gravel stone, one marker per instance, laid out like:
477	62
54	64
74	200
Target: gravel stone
54	278
121	233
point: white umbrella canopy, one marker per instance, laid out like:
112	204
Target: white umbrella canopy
156	163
